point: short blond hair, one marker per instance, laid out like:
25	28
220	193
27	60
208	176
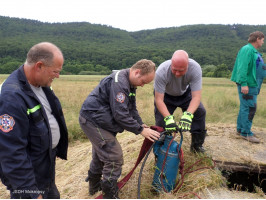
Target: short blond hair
145	66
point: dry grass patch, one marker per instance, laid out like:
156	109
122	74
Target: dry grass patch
70	174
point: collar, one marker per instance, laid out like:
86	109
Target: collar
254	49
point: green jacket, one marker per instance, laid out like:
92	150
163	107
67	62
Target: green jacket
244	72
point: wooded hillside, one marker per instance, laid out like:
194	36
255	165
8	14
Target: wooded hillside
98	48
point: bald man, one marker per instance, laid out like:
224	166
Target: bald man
32	126
178	83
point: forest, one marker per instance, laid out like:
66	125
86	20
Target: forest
99	49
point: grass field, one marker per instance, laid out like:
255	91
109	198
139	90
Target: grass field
219	96
221	102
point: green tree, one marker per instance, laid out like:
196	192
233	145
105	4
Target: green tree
9	67
221	71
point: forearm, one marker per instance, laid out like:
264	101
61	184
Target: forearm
162	108
159	102
195	102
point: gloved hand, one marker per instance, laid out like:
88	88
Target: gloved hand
170	124
185	121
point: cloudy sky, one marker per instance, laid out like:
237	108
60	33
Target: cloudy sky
134	15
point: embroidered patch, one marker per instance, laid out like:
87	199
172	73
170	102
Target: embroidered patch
120	97
6	123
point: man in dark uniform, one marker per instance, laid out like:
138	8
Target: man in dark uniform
32	126
110	109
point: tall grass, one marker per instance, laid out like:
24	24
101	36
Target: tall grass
219	96
72	91
220	99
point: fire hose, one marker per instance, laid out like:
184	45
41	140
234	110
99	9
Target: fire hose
161	171
146	148
159	183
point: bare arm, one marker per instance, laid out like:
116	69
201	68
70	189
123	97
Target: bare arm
195	101
160	104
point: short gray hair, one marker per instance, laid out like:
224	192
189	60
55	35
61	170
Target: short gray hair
42	52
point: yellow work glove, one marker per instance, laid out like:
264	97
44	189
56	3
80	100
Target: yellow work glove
185	121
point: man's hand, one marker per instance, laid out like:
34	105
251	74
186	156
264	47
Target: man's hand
170	124
185	121
144	126
150	134
244	89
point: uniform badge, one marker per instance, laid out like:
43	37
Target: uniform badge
6	123
120	97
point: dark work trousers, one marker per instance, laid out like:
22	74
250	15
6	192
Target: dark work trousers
198	129
107	155
50	192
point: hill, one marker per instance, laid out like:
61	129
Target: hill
94	47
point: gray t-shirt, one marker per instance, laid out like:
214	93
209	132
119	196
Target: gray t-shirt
166	82
52	121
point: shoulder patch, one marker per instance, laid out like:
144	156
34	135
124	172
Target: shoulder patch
6	123
120	97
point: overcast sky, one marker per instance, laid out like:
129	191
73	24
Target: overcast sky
134	15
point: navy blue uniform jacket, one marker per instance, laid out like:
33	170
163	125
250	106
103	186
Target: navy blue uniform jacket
112	105
25	135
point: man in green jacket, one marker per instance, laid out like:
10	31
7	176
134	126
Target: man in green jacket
244	74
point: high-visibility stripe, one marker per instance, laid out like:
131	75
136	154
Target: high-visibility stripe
34	109
132	94
116	76
1	86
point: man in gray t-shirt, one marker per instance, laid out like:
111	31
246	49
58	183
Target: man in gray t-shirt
178	83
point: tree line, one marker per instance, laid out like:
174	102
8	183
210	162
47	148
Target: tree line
99	49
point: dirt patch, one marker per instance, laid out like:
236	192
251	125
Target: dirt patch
224	144
223	193
221	143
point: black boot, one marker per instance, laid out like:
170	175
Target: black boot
197	149
197	140
94	182
110	189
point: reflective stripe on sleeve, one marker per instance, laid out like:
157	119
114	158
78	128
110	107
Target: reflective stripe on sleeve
34	109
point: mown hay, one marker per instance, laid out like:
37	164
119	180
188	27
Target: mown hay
205	183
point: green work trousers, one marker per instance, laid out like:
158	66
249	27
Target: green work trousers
247	110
